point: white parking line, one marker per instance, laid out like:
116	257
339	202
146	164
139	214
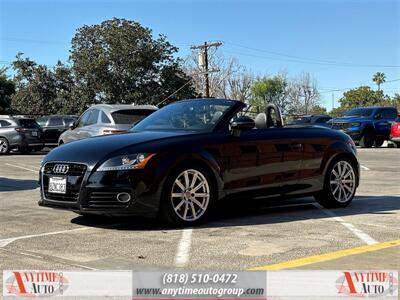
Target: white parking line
5	242
183	251
44	258
365	168
360	234
23	168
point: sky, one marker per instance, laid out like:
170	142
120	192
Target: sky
340	43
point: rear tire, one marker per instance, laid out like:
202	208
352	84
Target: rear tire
4	146
367	140
379	142
339	184
187	196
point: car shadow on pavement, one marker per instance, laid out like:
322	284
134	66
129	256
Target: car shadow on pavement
8	184
231	213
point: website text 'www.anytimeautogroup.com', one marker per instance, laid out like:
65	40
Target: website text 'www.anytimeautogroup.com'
200	291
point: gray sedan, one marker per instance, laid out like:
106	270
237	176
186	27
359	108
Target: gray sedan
104	119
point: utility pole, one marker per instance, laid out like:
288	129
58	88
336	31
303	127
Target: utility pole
333	100
203	61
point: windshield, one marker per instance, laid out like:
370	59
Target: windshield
42	121
130	116
359	112
194	115
301	120
28	123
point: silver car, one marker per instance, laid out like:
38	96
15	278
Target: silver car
104	119
20	133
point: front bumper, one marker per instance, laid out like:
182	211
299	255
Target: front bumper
395	139
90	192
354	132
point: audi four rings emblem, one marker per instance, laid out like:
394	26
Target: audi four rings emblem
61	169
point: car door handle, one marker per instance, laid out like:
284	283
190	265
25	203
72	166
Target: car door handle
296	146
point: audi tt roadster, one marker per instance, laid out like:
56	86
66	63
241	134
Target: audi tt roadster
179	160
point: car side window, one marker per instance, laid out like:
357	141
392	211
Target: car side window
68	121
322	120
42	121
104	118
83	119
93	118
56	121
389	113
4	123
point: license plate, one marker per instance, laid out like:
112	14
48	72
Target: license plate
34	133
57	185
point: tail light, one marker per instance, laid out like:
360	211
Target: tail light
21	130
113	131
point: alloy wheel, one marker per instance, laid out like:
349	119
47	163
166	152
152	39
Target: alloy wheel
190	195
342	181
3	146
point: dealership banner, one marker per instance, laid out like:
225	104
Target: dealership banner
185	284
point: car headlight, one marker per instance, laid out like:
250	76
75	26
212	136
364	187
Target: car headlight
126	162
355	124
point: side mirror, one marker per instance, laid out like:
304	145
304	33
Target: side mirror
72	125
377	116
242	123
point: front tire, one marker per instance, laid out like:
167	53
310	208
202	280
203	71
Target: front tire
187	196
339	184
367	140
379	142
4	146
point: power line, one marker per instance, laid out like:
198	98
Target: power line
304	60
343	89
391	81
187	82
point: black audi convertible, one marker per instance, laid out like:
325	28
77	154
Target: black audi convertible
176	162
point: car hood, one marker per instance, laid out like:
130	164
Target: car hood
94	149
347	120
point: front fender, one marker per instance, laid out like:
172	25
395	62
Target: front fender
336	149
167	162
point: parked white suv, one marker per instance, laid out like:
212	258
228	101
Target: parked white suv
104	119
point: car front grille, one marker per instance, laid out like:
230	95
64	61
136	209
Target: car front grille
106	199
74	178
340	125
73	170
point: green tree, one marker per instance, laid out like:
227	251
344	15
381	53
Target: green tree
338	111
318	110
35	88
67	98
7	89
362	96
119	61
269	90
379	78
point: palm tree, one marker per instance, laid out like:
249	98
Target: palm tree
379	78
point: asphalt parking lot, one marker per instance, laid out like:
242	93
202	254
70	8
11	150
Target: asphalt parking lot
269	234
